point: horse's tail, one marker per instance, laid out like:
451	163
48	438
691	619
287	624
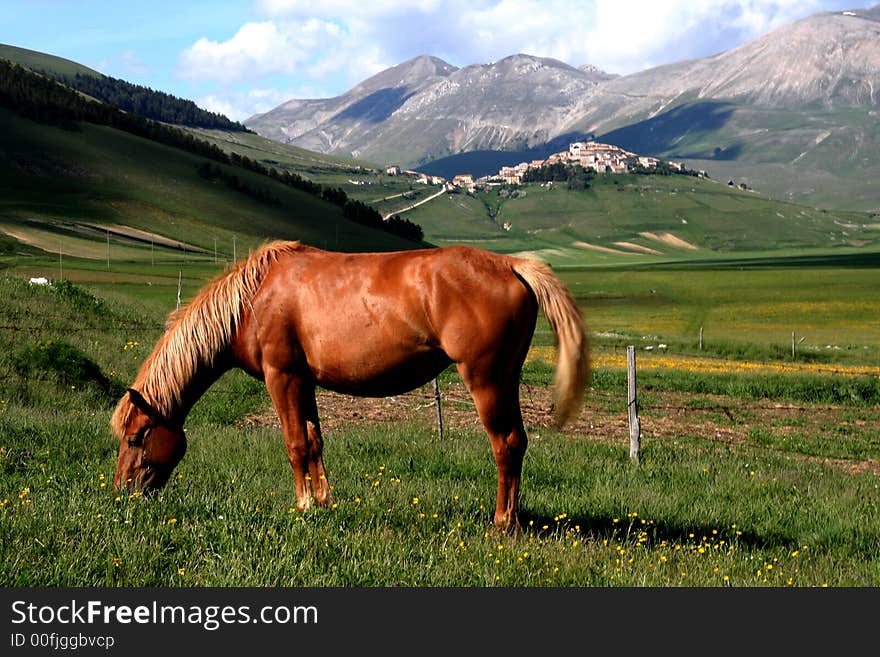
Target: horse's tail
560	308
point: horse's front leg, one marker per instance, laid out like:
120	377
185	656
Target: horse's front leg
294	401
317	473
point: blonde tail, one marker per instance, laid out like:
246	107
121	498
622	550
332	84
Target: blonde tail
560	308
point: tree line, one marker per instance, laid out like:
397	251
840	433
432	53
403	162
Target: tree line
156	105
575	177
44	100
353	210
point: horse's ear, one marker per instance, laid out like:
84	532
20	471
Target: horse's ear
142	404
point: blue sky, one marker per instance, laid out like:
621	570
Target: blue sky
244	57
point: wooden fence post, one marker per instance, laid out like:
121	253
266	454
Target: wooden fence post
437	404
632	404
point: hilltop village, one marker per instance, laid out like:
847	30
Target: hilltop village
601	158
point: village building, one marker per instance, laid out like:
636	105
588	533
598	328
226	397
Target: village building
464	181
509	175
594	155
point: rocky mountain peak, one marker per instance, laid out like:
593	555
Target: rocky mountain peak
425	108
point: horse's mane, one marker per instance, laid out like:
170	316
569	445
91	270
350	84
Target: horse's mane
196	333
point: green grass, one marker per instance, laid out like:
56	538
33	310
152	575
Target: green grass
746	312
772	510
39	61
412	511
718	219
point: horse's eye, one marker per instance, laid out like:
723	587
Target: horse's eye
135	439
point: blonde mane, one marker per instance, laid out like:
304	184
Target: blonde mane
197	333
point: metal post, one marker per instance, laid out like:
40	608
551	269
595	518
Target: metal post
437	405
632	404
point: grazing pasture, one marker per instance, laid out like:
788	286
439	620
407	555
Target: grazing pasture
750	476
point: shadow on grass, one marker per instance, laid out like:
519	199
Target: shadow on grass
652	533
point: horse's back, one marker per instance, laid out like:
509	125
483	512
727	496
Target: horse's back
382	323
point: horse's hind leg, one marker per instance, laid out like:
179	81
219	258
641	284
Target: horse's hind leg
294	400
499	410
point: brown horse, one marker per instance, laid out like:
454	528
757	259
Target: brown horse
371	325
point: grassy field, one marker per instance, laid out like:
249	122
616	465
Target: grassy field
745	311
749	476
102	176
628	215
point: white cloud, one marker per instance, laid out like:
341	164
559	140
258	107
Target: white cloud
340	8
622	36
240	105
132	65
224	106
628	38
126	65
257	49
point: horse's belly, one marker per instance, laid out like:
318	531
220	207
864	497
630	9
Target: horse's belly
377	373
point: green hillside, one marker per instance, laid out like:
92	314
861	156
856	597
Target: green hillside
44	63
83	180
55	180
363	181
630	218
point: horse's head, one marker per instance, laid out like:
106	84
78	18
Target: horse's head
150	447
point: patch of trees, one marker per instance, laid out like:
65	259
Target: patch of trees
366	215
213	172
44	100
405	228
662	169
146	102
575	177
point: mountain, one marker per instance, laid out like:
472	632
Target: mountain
825	61
339	125
792	113
425	108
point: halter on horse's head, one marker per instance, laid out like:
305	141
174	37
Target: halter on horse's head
150	448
